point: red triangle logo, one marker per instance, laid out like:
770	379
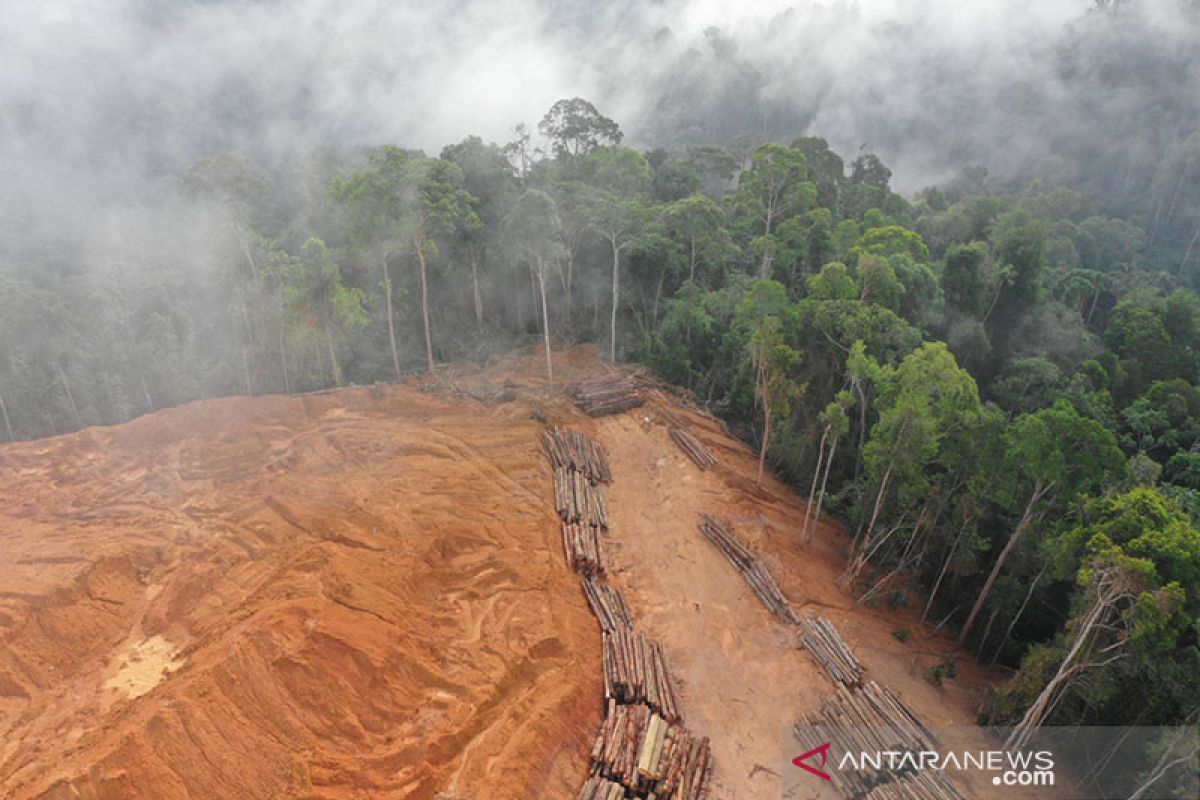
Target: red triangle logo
800	759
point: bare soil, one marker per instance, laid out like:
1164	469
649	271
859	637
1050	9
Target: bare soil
361	594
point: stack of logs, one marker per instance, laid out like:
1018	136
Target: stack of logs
685	440
581	543
649	755
826	645
580	466
635	671
696	451
607	604
577	499
642	750
568	449
749	566
607	394
873	719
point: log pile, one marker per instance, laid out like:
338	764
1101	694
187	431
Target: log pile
873	719
607	604
826	645
607	394
642	750
601	789
925	784
568	449
649	755
581	543
695	450
635	671
748	564
577	499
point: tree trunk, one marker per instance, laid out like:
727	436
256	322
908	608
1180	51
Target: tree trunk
616	278
333	362
7	423
662	276
1190	249
391	314
237	232
1041	706
570	279
883	487
812	490
942	572
62	376
425	310
1026	518
692	262
1012	624
1178	186
475	286
246	372
764	266
862	428
287	384
824	483
145	391
762	453
545	328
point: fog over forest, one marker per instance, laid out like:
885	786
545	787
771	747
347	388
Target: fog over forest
96	98
938	258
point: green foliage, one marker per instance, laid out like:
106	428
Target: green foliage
873	323
574	127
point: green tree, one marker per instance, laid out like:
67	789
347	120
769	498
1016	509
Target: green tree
574	127
397	203
698	223
318	301
773	359
772	189
1052	453
531	235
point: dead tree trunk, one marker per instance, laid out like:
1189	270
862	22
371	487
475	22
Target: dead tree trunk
7	423
616	293
425	308
762	453
287	384
391	311
1108	592
62	376
475	285
541	279
812	491
824	483
334	367
1039	490
1013	623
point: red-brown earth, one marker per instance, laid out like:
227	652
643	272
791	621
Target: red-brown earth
361	594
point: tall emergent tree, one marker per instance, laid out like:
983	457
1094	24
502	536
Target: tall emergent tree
400	202
531	235
773	359
772	189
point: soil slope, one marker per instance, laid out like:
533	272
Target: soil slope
358	594
362	594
